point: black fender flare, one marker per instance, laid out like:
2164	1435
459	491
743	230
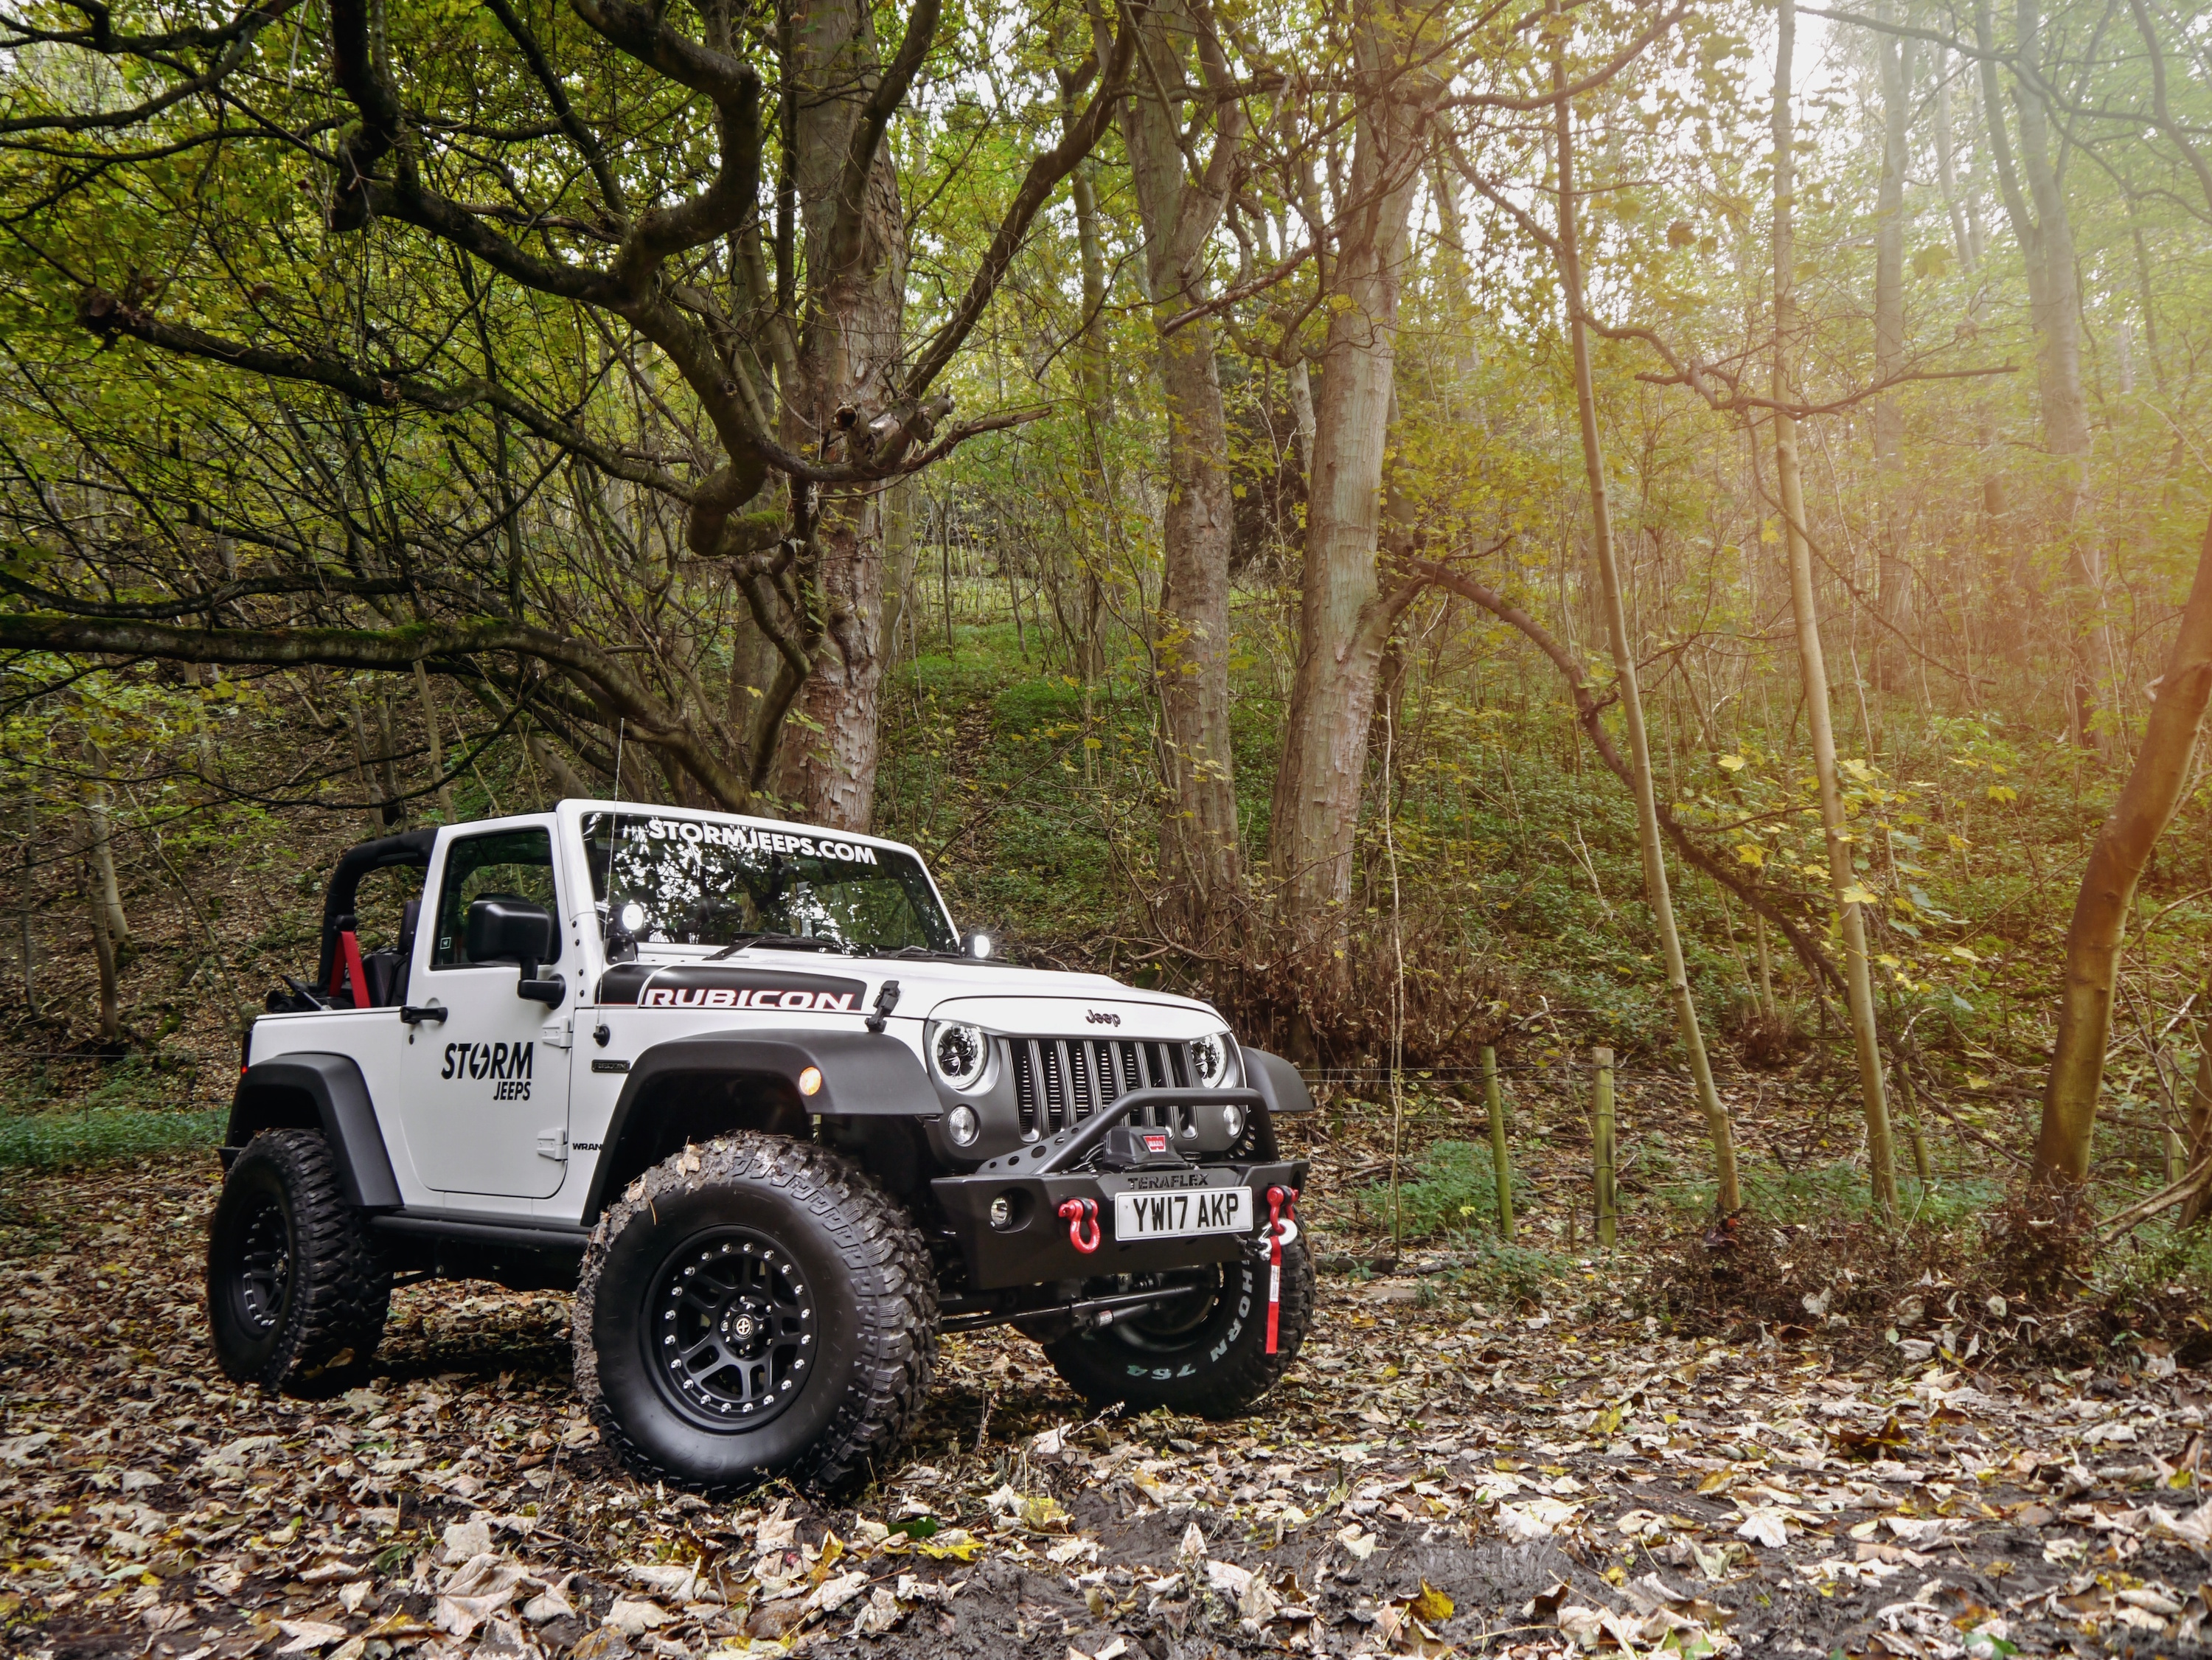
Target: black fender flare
268	1096
1278	1082
864	1075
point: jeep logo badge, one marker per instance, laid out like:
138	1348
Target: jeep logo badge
1101	1018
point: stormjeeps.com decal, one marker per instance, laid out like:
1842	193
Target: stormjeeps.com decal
706	986
751	839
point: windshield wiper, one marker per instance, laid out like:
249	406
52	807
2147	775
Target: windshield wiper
779	942
931	952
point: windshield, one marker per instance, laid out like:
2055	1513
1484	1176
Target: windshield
697	882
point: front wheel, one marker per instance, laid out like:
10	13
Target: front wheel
1204	1352
755	1308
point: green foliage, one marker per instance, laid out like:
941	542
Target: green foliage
1517	1273
64	1138
1451	1192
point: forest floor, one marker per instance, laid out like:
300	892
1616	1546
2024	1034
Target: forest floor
1438	1474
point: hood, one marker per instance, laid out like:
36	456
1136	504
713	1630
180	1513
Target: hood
1044	1002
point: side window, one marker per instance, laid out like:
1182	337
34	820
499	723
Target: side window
380	907
508	864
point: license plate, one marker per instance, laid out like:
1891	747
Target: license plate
1182	1212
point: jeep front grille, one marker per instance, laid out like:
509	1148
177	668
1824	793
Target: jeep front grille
1060	1081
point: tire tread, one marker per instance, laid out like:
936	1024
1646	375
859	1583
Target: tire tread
889	1270
342	1286
1226	1390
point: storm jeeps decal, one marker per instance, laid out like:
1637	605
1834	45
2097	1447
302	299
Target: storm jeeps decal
507	1064
704	985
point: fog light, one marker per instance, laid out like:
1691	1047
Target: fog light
1002	1212
809	1081
1232	1121
963	1125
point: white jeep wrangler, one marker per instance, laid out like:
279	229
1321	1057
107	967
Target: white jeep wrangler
741	1085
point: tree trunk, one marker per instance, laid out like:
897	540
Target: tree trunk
1728	1197
30	907
1345	613
1966	239
2198	1204
1895	589
900	552
1201	864
2045	233
825	763
1843	879
103	952
437	744
1092	368
101	819
2145	804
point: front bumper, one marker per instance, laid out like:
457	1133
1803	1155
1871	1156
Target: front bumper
1035	1248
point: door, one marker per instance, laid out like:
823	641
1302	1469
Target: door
486	1107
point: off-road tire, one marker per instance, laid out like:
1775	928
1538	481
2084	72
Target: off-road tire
868	1276
1219	1367
297	1289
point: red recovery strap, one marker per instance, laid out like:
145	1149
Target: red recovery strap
1280	1201
346	965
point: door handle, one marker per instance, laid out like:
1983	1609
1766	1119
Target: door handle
414	1016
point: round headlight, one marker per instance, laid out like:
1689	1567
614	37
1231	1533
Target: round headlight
963	1125
959	1053
1233	1120
1209	1058
633	916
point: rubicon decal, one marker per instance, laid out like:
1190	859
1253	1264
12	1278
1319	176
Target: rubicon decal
710	986
745	997
507	1064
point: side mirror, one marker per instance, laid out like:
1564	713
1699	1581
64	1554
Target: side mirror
977	945
516	931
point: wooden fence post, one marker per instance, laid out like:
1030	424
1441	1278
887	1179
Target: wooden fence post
1602	1112
1501	1161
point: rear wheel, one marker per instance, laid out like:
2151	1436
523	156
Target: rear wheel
755	1308
297	1289
1203	1352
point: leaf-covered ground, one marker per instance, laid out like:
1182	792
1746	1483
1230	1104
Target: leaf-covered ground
1439	1475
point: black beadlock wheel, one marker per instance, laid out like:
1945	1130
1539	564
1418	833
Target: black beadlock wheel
755	1308
732	1328
297	1289
1204	1353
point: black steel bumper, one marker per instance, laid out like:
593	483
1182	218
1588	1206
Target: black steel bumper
1035	1246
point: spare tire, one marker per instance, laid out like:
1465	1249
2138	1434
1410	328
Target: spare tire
1204	1352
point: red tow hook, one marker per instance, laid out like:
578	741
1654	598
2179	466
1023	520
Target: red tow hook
1082	1217
1281	1201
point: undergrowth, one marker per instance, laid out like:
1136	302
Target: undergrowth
101	1135
2009	1274
1452	1191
